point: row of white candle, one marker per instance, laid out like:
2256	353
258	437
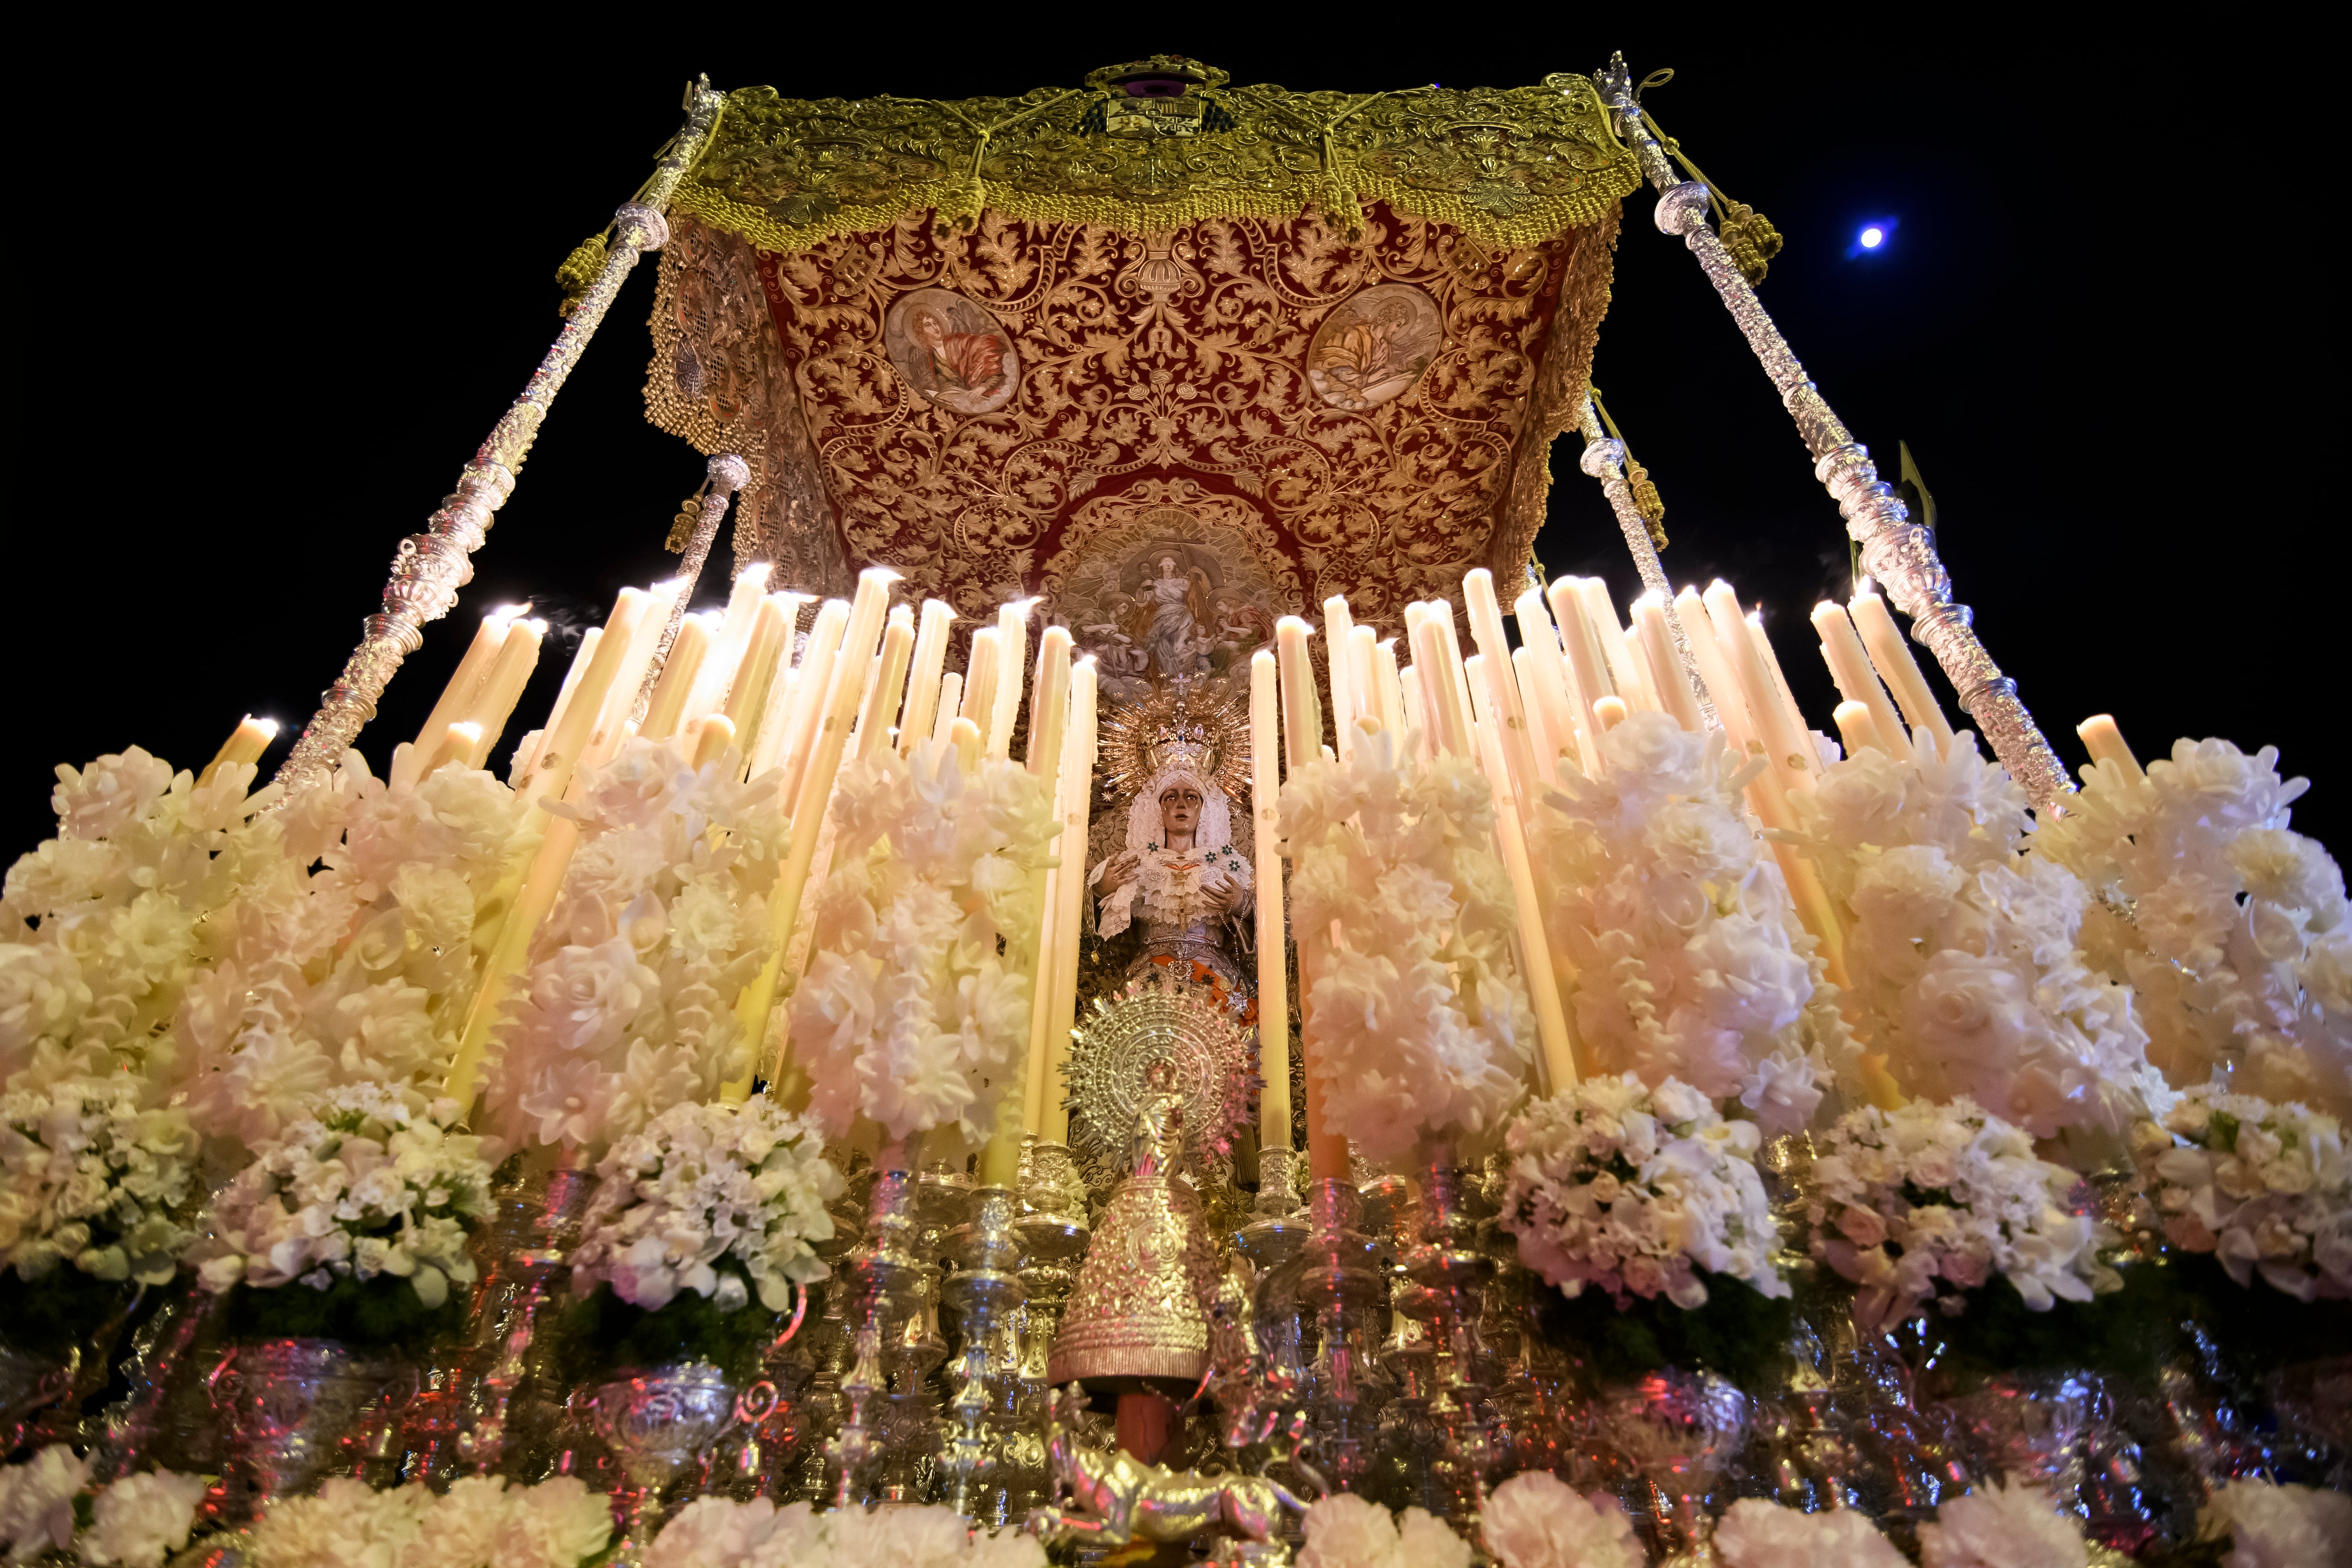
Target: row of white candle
1531	715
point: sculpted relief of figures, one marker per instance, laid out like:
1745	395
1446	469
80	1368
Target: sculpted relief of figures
1359	405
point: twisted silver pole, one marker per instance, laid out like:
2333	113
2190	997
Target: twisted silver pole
729	474
1896	552
429	567
1604	460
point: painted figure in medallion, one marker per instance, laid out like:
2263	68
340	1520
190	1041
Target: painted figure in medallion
953	352
1375	347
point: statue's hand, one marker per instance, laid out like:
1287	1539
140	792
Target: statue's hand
1226	892
1121	868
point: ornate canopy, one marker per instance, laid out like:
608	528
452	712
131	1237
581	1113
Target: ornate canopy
1301	343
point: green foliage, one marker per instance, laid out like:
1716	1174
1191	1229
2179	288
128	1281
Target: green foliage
62	1308
380	1313
1739	1333
600	1331
2128	1333
2258	1328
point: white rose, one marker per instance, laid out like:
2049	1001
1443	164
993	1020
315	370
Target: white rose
1907	889
1701	840
1651	751
1754	981
583	998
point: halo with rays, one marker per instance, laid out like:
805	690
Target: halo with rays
1137	739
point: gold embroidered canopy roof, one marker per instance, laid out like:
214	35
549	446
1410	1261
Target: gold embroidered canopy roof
1510	166
1283	344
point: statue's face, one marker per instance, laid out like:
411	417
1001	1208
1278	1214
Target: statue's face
1179	808
1167	566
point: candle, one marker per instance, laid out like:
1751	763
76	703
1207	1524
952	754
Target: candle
568	733
923	686
1780	692
817	774
1433	656
1789	752
572	738
1363	679
688	654
1302	727
1553	684
621	701
1666	664
1077	796
766	745
1542	739
980	667
1503	678
456	699
731	641
457	745
950	693
1416	721
1049	713
755	672
964	736
713	735
582	658
1389	682
1609	712
1600	611
809	694
1273	983
1850	667
1440	612
1856	728
2105	741
502	686
1302	743
1731	700
1582	649
882	698
246	744
1338	629
1011	666
1900	670
1557	1052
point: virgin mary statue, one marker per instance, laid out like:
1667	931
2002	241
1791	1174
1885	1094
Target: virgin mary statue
1180	870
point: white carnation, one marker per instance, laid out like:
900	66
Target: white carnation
1753	1534
2278	1526
142	1519
1535	1520
2002	1526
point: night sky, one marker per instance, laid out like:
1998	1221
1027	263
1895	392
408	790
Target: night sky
282	303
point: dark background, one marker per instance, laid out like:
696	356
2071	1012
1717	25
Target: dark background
281	299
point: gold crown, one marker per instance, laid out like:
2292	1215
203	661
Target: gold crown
1156	69
1176	723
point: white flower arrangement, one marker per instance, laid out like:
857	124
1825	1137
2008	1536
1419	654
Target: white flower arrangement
717	1199
1964	951
1344	1530
2278	1526
1535	1520
1421	1017
98	926
1639	1192
713	1533
348	953
360	1187
92	1182
1691	960
135	1522
2237	943
481	1522
2267	1189
908	1013
1995	1526
627	1006
1928	1196
1753	1534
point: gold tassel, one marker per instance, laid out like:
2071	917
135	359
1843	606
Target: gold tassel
1751	239
579	273
1646	500
682	526
1342	213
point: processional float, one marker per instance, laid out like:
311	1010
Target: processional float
1155	1071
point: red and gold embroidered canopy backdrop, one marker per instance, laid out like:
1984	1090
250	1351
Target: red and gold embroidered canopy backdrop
1277	345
